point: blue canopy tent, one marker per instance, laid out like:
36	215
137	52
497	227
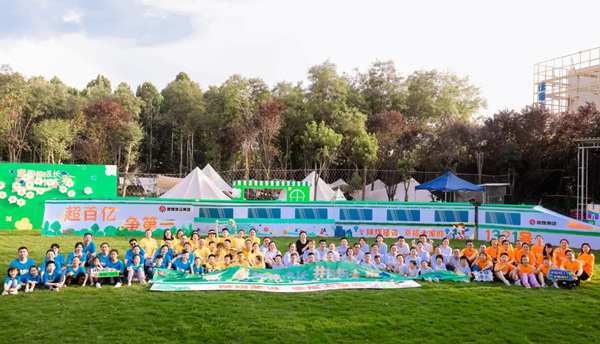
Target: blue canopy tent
449	182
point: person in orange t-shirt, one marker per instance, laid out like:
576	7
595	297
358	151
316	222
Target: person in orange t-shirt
517	249
525	252
492	251
560	252
504	270
542	271
483	262
469	252
525	272
573	265
586	257
509	251
549	253
538	248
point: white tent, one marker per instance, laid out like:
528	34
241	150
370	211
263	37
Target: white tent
324	192
338	184
196	185
214	177
338	196
380	194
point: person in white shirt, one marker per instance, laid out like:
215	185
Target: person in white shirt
349	258
288	254
322	249
390	259
446	249
367	262
343	247
336	255
357	253
403	248
293	263
381	244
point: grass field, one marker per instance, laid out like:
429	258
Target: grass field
437	312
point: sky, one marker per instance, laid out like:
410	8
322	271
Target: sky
495	43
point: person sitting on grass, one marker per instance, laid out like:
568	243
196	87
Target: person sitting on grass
412	270
336	255
374	250
288	254
323	249
509	251
312	259
573	265
50	257
421	253
253	238
104	254
12	282
438	264
437	251
493	250
150	246
542	272
349	258
330	257
265	246
227	262
453	261
59	259
273	252
33	279
539	247
53	279
390	259
197	268
211	264
382	247
258	263
293	263
586	257
184	263
358	254
241	260
378	264
464	267
76	273
413	256
278	263
504	271
525	273
166	259
341	250
255	252
403	247
132	251
548	251
77	253
482	263
446	249
136	269
311	249
400	267
158	263
525	252
425	269
23	263
469	252
362	242
367	261
116	264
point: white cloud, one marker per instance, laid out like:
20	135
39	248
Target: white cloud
72	16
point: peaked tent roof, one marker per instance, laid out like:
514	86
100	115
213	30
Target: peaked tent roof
324	192
338	184
338	196
380	194
449	182
196	185
214	177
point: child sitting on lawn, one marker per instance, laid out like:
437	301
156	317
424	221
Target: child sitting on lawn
197	268
53	279
12	282
76	273
33	279
525	272
464	267
136	269
504	271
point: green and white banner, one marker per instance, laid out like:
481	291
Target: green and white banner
312	277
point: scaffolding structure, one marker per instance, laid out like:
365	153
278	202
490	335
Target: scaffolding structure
565	83
583	148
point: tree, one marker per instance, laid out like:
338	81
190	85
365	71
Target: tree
54	138
364	151
380	89
129	137
128	100
97	88
406	167
321	144
269	122
150	107
435	97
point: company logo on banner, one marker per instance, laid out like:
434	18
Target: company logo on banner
113	218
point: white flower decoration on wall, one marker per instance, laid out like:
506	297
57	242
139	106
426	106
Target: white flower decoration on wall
21	192
2	195
30	195
50	182
40	191
12	199
38	181
69	183
29	184
87	190
21	202
111	170
71	193
2	185
62	189
25	177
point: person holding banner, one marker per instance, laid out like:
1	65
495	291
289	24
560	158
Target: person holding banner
542	272
288	254
293	263
586	257
573	265
271	254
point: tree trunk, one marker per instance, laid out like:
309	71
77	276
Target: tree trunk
364	189
180	153
126	169
150	162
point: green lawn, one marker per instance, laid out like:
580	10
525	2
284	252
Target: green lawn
436	312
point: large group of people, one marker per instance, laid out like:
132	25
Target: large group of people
524	264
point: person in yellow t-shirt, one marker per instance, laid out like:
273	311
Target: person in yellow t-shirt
168	235
247	250
241	260
238	241
469	252
504	270
224	235
194	240
202	251
538	248
149	245
573	265
258	262
220	253
212	236
586	257
178	245
211	264
256	252
253	238
226	263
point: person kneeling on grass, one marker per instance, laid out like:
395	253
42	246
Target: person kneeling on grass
504	271
573	265
76	273
53	279
464	267
12	282
136	269
525	272
33	279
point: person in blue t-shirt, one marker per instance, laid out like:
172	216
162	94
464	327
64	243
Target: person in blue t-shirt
32	279
77	253
136	269
183	264
164	252
58	257
23	263
115	263
158	263
197	268
76	273
104	254
135	249
95	268
89	248
50	256
52	279
367	261
12	283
